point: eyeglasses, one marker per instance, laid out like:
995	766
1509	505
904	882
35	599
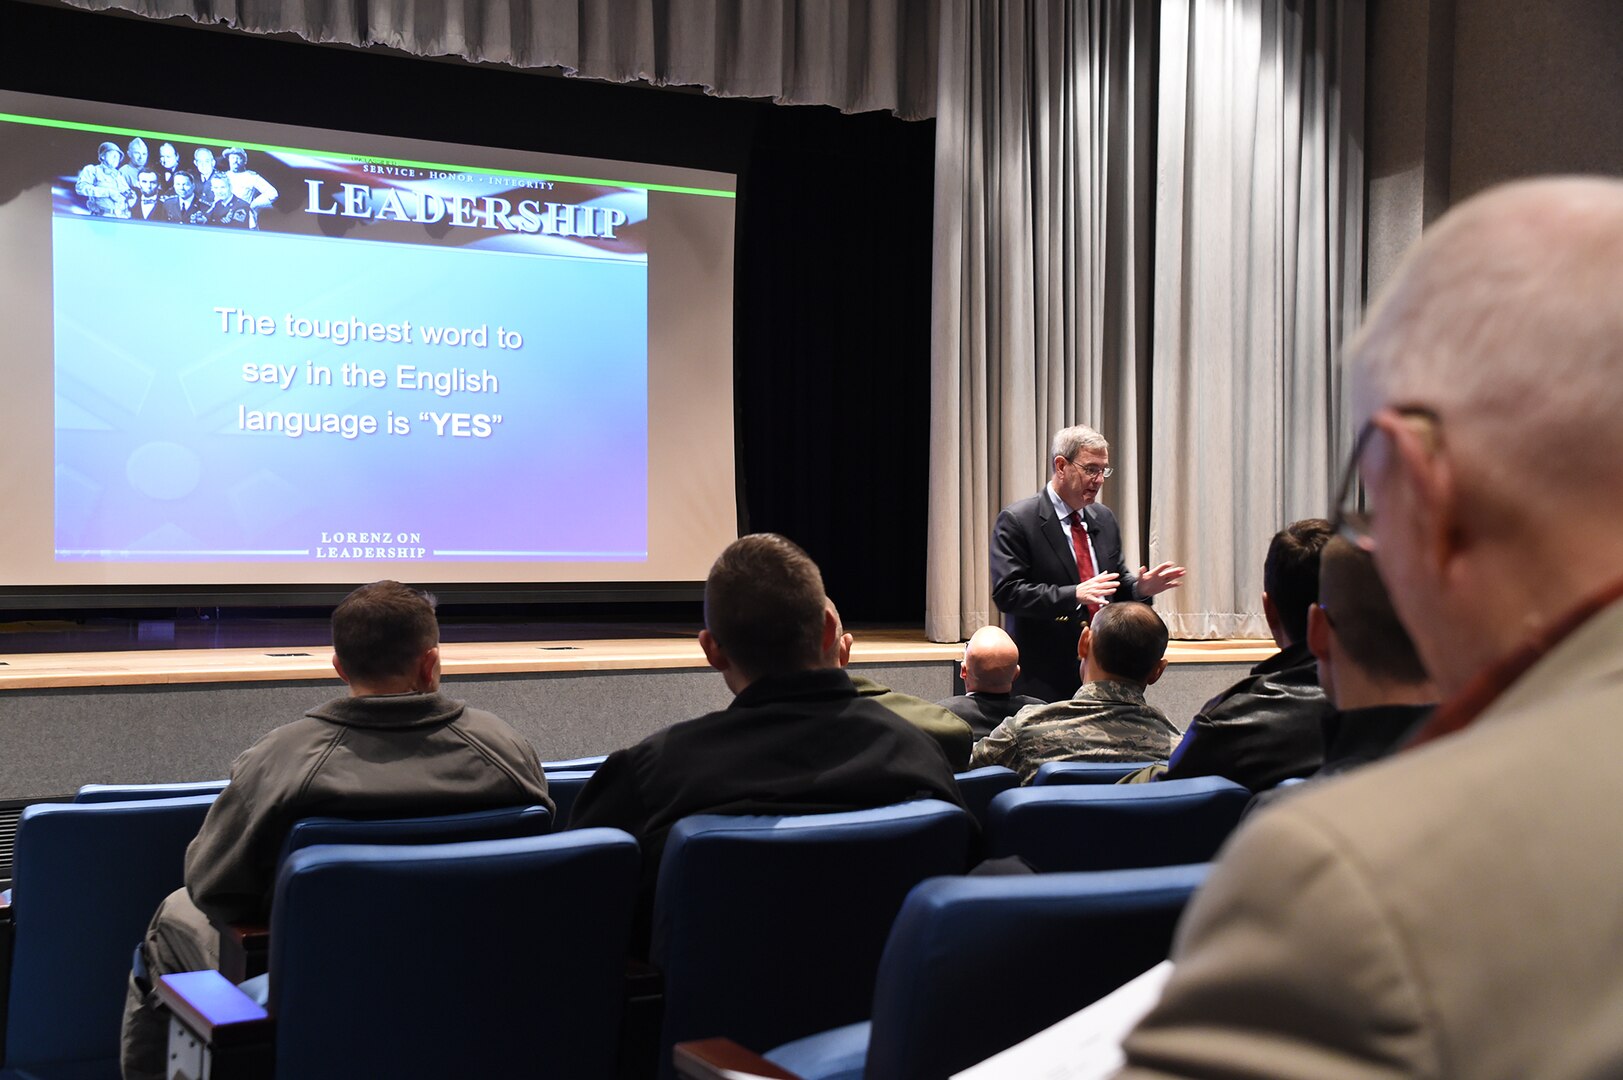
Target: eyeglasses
1352	520
1094	472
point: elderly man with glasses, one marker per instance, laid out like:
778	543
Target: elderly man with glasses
1454	910
1057	558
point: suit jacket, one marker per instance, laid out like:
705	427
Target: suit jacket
793	744
1034	580
1448	912
983	711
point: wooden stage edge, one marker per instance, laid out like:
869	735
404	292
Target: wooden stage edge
167	667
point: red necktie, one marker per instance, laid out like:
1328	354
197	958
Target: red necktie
1084	558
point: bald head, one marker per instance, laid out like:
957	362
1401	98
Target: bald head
1490	368
991	661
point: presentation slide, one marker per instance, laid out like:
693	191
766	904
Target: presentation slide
252	354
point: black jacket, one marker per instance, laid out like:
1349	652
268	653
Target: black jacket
793	744
1265	728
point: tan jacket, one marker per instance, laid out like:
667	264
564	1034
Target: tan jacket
396	755
1456	911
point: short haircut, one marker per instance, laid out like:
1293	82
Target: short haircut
1129	639
146	172
382	629
763	604
187	173
1361	614
1291	572
1068	442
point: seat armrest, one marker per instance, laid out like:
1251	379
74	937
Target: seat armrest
216	1011
215	1030
723	1059
244	951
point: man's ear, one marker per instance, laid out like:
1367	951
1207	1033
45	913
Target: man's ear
1084	644
428	670
828	643
1318	633
1156	672
1434	489
846	641
714	654
336	666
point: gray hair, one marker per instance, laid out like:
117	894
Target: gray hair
1071	441
1506	322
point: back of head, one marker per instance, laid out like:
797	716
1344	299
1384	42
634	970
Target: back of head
1129	639
764	605
1361	615
991	660
1290	574
1506	323
381	630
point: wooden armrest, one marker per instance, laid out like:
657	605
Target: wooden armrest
723	1059
244	951
213	1009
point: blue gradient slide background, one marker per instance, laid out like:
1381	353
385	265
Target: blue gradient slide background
151	466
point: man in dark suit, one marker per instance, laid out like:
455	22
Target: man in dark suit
1040	549
991	664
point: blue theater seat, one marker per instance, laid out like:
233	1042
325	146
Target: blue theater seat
1115	826
771	928
243	947
978	787
87	878
1085	772
490	958
100	793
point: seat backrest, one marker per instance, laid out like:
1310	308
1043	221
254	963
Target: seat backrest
489	958
565	788
770	928
979	786
1116	826
975	965
87	878
100	793
1085	772
505	823
576	764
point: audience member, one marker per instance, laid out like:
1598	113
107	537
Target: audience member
1453	911
950	731
1122	652
1269	726
394	747
797	738
1057	556
1367	663
991	664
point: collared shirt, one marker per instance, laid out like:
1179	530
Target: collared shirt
1065	510
1102	721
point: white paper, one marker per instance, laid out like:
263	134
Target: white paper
1085	1045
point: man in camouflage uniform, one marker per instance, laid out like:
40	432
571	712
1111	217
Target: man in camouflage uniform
1122	652
106	192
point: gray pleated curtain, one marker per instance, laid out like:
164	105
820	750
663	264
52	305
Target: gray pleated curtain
1148	217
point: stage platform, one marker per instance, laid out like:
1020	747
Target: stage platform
160	708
